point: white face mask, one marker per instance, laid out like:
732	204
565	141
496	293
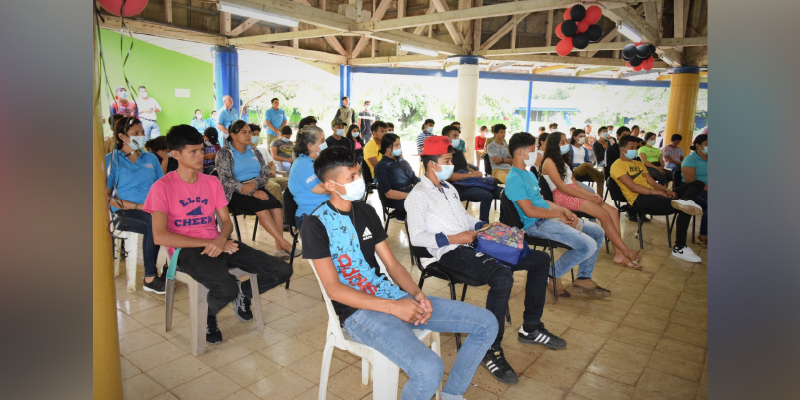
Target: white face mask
355	190
122	95
143	94
137	142
531	161
604	135
651	143
198	116
581	140
456	142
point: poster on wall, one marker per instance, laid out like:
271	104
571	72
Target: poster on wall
182	92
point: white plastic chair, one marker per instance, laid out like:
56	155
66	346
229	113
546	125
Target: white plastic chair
198	306
132	248
385	374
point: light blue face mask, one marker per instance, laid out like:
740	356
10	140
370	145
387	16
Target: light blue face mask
631	154
456	142
430	130
323	146
705	150
445	173
397	152
254	139
285	139
356	134
340	132
137	142
564	149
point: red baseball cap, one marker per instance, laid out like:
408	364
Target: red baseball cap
436	146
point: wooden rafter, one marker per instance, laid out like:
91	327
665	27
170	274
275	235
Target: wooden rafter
416	40
377	16
548	69
244	26
278	37
441	6
589	71
666	43
608	62
503	31
606	39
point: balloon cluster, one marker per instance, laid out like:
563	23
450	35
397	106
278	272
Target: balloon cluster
639	56
129	9
578	28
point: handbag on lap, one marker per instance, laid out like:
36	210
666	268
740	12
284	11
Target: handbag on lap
503	243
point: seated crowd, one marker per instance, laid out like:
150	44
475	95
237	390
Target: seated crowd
181	191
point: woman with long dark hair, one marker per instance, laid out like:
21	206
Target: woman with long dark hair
354	134
651	157
557	171
581	161
244	175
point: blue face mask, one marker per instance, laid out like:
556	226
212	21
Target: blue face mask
356	133
456	142
430	130
254	139
445	173
286	139
397	152
340	132
631	154
564	149
137	142
323	146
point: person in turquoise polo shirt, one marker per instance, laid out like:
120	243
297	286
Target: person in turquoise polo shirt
131	171
198	122
307	190
274	119
226	116
695	168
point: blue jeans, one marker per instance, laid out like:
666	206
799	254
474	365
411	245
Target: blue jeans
139	221
481	195
394	339
585	244
151	130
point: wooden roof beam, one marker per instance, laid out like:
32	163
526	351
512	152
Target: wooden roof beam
402	37
279	37
302	12
502	32
607	62
441	6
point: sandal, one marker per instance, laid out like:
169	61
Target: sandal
626	262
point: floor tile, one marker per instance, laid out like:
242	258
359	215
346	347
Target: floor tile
551	372
155	355
137	340
141	387
635	337
596	387
211	386
620	362
223	353
128	369
310	367
681	349
676	366
243	394
249	369
178	372
283	384
658	385
287	352
532	389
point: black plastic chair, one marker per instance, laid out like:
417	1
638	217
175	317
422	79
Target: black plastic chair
487	165
619	199
289	210
453	278
544	190
389	211
677	180
510	217
368	179
235	211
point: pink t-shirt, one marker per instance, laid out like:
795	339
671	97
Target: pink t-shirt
189	206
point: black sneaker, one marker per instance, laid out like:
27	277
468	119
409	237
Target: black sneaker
495	362
213	335
158	285
543	337
241	306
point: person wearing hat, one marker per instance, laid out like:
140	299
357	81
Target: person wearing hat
338	139
438	222
121	105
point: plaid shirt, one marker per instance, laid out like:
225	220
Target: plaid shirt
675	153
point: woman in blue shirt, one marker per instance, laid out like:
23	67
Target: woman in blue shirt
131	172
198	122
695	168
307	190
244	175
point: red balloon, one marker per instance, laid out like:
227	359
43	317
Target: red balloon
628	63
564	47
647	64
593	15
583	26
558	31
638	67
132	7
637	44
566	14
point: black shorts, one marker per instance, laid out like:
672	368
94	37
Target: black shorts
251	204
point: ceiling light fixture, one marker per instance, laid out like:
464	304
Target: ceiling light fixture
628	32
666	59
253	13
419	50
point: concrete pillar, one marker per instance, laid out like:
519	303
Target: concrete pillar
226	75
683	91
106	371
467	100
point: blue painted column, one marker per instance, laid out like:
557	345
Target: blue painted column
349	84
226	75
528	109
342	78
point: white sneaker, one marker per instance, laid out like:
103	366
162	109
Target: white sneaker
687	206
686	254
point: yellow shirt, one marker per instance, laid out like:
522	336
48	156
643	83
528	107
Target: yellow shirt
636	171
372	149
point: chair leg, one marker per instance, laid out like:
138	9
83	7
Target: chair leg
291	256
170	299
640	219
508	316
256	301
385	376
198	311
365	377
421	280
236	227
553	273
132	247
386	225
327	354
255	228
453	297
117	255
669	231
607	250
694	225
464	292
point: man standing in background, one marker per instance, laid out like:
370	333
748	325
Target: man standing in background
148	107
365	120
345	113
227	114
274	119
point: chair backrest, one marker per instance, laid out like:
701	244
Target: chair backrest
677	178
386	203
487	164
615	191
289	208
508	212
366	173
544	189
334	326
417	252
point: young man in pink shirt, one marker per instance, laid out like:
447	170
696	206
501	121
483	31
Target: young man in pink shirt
182	204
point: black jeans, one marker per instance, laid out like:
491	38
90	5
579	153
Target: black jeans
481	195
702	200
222	287
487	270
141	222
661	204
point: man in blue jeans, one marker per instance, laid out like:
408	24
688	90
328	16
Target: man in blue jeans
547	220
438	222
374	310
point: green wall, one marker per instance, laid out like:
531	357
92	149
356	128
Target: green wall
161	71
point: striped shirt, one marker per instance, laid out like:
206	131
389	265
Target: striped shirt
421	140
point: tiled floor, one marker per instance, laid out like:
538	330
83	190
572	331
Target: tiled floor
647	341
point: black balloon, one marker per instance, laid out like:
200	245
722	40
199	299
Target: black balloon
577	13
595	33
569	28
628	52
636	61
652	49
580	40
643	51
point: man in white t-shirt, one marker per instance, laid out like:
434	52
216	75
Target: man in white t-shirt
148	107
